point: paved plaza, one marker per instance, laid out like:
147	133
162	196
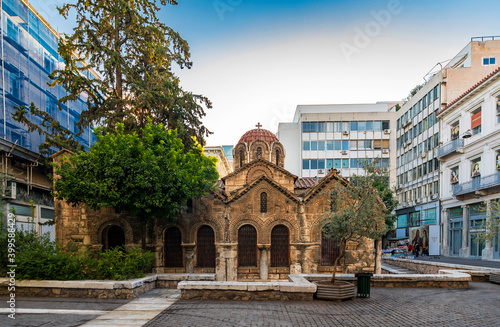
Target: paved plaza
477	306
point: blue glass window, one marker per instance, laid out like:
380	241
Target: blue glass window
361	126
305	127
345	145
354	163
337	163
314	145
329	163
354	126
377	125
321	145
314	164
321	164
305	164
369	126
337	145
329	145
345	163
306	146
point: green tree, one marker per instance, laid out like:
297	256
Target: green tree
132	53
490	227
356	212
149	177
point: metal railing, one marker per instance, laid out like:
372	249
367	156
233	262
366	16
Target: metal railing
477	183
450	147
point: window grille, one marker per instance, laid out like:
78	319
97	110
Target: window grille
247	246
205	244
173	247
280	246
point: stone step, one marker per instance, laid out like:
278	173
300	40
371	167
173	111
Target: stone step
495	278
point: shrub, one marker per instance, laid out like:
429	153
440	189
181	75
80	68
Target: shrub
39	258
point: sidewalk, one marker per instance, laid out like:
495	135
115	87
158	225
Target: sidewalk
460	261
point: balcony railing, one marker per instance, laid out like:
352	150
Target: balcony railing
477	184
451	147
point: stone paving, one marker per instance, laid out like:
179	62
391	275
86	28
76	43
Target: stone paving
477	306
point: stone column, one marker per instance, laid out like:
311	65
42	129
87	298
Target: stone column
264	261
226	264
488	249
445	227
189	257
464	251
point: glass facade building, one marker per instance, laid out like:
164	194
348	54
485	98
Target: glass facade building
29	53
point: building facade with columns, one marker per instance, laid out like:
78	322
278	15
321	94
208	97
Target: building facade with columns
470	168
262	222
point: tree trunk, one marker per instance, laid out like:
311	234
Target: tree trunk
378	256
337	260
143	233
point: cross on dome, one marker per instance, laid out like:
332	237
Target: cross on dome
258	125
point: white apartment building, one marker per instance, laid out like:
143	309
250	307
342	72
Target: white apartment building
470	167
418	139
340	136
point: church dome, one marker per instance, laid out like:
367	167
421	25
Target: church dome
258	133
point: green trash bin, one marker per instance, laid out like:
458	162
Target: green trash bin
363	281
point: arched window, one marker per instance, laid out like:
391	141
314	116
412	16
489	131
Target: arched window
280	246
113	236
277	157
242	158
259	152
205	246
263	202
329	251
173	247
247	246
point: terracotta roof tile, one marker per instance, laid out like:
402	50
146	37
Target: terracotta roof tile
258	133
305	182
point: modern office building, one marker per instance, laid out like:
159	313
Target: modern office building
340	136
470	168
418	139
29	55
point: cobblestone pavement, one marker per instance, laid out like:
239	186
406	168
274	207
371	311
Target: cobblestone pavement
477	306
60	312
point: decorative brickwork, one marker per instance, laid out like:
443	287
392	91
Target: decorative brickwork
298	206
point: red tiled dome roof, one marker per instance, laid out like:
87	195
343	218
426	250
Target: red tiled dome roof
258	133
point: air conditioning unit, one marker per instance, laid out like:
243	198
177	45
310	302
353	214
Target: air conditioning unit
424	154
10	190
345	133
398	187
434	196
385	151
418	200
344	152
387	131
321	171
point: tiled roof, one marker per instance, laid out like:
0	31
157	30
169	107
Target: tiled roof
258	133
490	75
305	182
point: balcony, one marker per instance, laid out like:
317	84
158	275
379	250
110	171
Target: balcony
477	187
455	146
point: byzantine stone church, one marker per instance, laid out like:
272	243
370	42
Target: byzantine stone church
261	223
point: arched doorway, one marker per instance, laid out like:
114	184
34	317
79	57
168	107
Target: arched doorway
113	236
247	246
205	247
329	251
173	247
280	252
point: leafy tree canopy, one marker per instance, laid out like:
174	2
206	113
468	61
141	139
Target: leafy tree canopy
357	211
148	177
132	53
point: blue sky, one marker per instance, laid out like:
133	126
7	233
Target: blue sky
257	60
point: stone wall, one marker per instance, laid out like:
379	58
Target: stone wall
245	296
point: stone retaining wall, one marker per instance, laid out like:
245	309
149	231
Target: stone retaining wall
478	274
127	289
